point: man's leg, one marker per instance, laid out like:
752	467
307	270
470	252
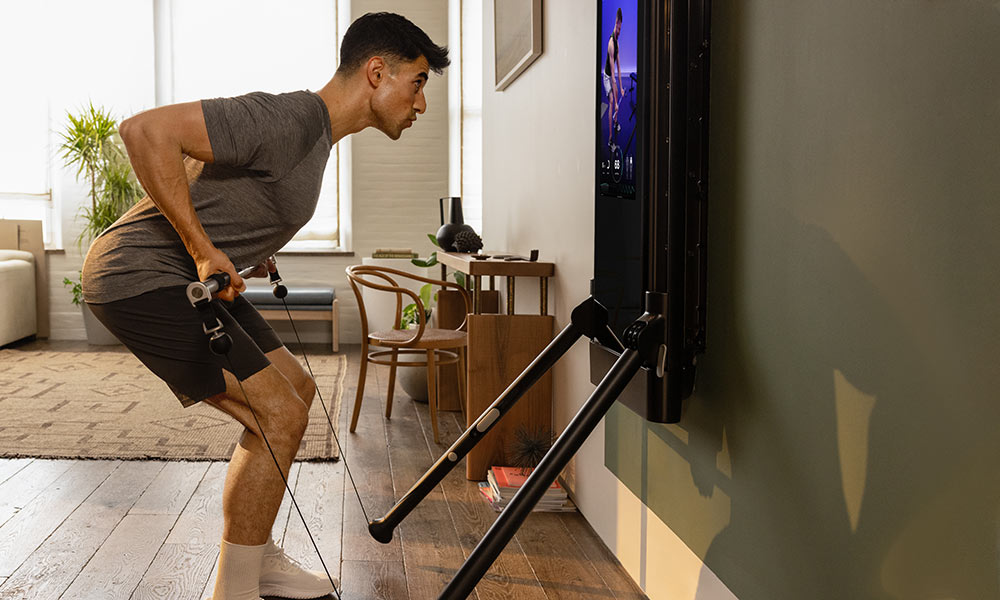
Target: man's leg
254	488
294	372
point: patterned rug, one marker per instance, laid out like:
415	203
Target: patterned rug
106	404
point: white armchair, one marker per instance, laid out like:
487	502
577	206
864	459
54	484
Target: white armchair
17	296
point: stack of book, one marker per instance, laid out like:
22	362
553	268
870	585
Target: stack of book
394	253
503	482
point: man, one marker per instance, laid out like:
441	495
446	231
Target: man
612	87
229	182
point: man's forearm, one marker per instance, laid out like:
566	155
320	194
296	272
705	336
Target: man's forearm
158	163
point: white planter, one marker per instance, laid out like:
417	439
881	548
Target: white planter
413	380
97	333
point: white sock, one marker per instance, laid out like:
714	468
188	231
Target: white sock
239	572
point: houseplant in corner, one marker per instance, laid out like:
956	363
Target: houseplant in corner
91	144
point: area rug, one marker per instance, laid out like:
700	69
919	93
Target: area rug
106	404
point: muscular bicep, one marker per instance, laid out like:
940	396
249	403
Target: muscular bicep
181	125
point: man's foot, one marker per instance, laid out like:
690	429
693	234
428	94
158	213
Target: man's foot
283	576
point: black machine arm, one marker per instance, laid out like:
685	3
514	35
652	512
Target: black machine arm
643	347
643	344
588	319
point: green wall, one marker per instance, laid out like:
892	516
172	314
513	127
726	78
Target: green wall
844	438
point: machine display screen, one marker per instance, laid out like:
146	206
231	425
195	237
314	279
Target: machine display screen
618	90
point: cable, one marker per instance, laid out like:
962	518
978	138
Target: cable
284	479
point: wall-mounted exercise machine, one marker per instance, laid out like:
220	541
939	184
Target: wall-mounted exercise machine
651	188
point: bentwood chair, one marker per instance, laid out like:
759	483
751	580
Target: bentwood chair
432	347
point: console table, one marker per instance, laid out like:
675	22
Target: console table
500	347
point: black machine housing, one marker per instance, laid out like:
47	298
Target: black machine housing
650	247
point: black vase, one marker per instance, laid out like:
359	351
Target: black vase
446	234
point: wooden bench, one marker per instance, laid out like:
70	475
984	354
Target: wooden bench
309	304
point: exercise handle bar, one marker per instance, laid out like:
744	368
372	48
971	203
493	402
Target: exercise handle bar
206	290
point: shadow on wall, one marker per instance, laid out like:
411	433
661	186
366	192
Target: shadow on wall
828	452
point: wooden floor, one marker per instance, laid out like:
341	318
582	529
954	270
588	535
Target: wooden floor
88	529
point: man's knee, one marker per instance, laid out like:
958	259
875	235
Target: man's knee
279	410
288	414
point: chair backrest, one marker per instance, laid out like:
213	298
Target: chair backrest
384	279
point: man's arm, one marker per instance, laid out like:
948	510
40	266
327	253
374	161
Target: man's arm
157	141
618	67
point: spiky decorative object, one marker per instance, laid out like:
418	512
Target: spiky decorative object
529	446
467	241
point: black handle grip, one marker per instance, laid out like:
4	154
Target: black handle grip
217	281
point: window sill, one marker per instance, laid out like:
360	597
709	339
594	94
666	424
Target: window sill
316	252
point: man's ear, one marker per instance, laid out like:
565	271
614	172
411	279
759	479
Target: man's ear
375	69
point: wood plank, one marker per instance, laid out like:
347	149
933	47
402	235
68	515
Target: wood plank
564	571
511	576
184	563
118	566
25	531
22	487
170	491
55	564
320	494
201	521
365	452
431	549
374	580
500	347
10	466
603	561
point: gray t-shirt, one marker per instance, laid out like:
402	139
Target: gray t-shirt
270	153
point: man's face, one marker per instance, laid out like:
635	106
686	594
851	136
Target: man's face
399	97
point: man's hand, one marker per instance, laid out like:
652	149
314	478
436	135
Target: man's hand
263	269
213	261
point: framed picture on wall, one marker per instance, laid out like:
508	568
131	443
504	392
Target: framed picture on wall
517	38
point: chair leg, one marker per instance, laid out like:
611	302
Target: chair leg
461	366
361	386
432	395
392	383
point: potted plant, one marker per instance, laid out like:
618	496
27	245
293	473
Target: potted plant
91	143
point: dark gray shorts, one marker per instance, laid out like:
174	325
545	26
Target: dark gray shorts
163	330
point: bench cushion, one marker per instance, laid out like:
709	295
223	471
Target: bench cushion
298	298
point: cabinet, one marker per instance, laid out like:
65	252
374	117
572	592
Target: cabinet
500	347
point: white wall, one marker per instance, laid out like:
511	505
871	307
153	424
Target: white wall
538	176
395	184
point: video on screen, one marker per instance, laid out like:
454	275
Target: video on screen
619	94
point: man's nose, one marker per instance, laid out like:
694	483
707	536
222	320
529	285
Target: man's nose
421	104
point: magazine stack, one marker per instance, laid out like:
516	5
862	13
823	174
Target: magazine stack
503	482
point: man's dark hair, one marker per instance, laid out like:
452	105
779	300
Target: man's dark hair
392	36
618	17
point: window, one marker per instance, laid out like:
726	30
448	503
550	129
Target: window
199	49
465	107
231	47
